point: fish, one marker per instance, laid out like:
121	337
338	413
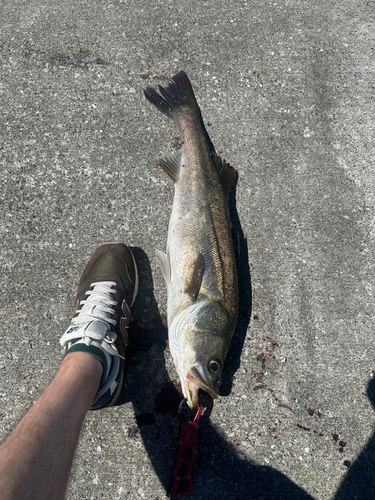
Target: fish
199	265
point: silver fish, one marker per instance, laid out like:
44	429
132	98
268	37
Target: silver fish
199	266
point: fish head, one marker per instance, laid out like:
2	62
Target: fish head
203	340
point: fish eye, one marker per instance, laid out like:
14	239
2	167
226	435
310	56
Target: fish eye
213	366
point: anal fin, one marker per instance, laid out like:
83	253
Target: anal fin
171	164
164	264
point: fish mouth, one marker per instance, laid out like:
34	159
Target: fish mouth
196	381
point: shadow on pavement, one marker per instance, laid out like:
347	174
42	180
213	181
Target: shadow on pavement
359	482
219	471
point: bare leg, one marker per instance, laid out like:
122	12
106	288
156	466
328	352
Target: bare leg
35	459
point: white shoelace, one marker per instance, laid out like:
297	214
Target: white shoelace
96	308
98	304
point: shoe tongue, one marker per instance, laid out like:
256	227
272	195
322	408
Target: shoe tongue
96	330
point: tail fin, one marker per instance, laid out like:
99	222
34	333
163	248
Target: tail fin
178	94
177	97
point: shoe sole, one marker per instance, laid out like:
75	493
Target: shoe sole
136	278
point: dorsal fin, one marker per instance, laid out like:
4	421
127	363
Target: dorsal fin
228	175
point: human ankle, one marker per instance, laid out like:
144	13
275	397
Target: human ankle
82	364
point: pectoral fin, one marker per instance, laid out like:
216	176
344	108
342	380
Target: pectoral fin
194	276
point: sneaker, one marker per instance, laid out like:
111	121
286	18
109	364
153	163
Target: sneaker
107	289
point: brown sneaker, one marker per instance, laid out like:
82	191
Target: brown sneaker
107	289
